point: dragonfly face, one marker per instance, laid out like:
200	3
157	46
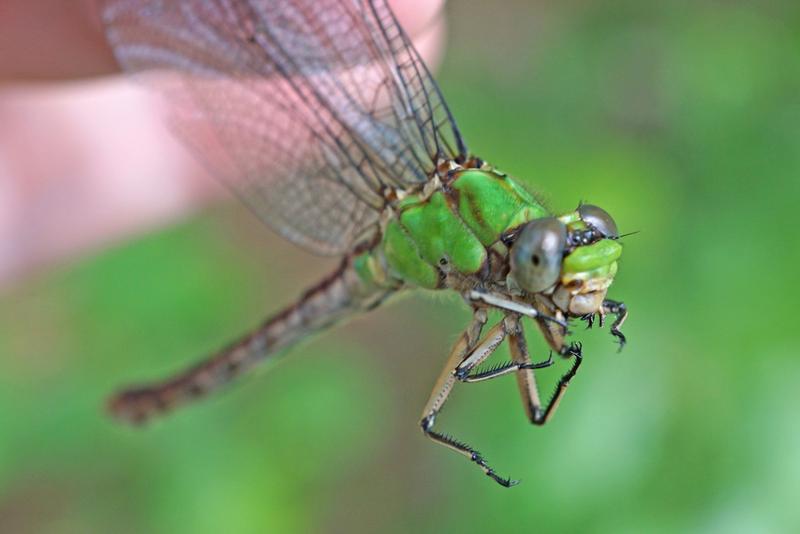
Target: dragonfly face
589	267
569	262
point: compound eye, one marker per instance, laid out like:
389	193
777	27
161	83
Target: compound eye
599	219
537	253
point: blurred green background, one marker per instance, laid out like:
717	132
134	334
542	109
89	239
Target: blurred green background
681	118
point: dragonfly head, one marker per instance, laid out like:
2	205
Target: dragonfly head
571	258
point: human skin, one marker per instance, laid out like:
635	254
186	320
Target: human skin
84	158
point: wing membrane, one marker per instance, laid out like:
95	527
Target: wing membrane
309	109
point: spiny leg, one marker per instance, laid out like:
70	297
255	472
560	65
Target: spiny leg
526	379
510	306
620	311
468	340
467	352
513	328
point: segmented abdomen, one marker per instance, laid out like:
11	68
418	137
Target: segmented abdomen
334	298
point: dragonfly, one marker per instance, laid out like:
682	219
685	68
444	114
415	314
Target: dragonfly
323	118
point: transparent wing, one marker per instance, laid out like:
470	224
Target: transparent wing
310	109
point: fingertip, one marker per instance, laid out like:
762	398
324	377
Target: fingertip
418	16
53	40
424	22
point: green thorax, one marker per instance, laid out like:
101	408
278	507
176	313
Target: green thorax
449	230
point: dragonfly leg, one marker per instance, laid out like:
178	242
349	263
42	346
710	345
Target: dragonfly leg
526	379
512	328
470	352
620	311
501	302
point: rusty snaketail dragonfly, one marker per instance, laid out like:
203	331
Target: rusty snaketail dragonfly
322	117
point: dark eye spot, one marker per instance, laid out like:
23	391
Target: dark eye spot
443	261
535	260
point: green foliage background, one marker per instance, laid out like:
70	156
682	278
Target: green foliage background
681	118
